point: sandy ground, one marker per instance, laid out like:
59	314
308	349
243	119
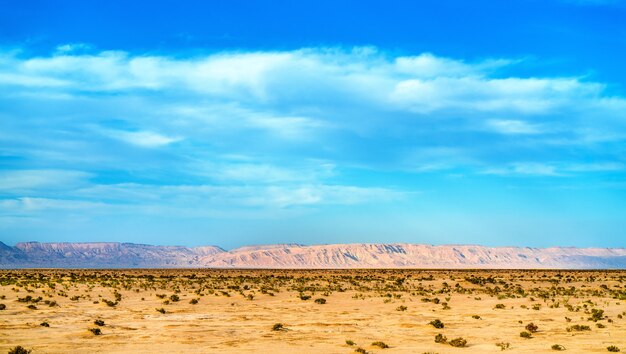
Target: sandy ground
363	306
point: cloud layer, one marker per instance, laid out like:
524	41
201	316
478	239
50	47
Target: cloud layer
259	133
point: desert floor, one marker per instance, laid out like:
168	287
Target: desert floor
236	310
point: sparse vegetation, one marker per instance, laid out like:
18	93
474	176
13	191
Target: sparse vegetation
578	328
503	345
532	328
573	297
458	342
20	350
381	345
436	323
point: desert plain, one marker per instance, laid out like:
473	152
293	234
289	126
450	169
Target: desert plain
312	311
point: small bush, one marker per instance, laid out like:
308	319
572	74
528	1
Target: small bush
458	342
304	297
436	323
98	323
350	342
174	298
3	307
95	331
360	351
44	324
381	345
558	347
401	308
440	338
476	317
525	335
32	307
612	348
278	327
193	301
19	350
503	345
320	301
161	310
578	328
596	315
532	328
500	306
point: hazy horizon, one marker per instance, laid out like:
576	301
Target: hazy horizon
242	123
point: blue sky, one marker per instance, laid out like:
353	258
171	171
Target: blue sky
239	122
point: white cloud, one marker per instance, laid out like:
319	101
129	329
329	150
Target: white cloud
423	83
19	181
29	205
524	168
506	126
143	138
355	109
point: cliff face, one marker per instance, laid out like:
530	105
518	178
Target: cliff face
129	255
106	254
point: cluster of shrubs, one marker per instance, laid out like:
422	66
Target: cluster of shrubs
456	342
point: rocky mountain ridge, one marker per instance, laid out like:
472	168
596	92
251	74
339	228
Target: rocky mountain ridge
363	255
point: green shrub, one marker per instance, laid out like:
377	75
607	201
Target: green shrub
320	301
44	324
401	308
440	338
525	335
95	331
596	315
350	342
161	310
558	347
578	328
278	327
503	345
532	328
3	307
612	348
19	350
458	342
381	345
500	306
436	323
193	301
98	323
174	298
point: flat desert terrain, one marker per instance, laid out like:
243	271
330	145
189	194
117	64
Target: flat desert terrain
312	311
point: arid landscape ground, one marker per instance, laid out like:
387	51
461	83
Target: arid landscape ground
312	311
